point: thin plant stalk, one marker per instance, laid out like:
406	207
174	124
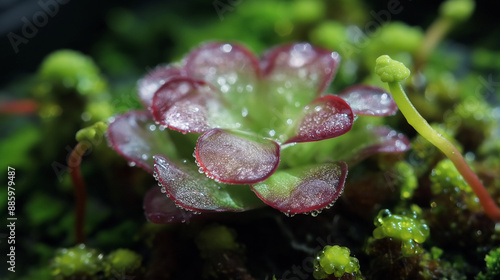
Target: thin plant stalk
422	127
19	107
74	162
436	32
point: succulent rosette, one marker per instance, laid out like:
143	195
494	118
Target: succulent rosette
244	117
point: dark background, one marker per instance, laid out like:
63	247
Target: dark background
79	24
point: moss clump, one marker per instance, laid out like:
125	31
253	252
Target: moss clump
216	238
72	70
336	260
407	228
492	266
122	261
446	180
77	261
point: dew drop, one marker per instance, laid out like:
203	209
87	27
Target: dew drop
163	190
152	127
131	163
200	170
244	112
227	48
144	157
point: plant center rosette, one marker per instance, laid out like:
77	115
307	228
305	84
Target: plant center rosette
245	117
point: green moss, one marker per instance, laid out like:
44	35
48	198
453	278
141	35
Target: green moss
406	227
122	261
71	70
336	260
216	238
447	180
78	260
492	266
406	178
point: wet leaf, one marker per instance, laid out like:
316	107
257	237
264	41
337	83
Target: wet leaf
237	158
135	136
369	101
194	191
303	189
326	117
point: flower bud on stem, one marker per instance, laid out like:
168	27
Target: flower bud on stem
84	137
392	72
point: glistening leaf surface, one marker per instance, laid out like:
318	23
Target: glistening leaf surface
194	191
303	189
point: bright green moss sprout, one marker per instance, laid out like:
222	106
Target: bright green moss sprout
216	238
78	260
122	261
407	178
445	178
393	72
336	260
72	70
492	266
406	228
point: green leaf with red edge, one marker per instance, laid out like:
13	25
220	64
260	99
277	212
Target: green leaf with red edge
192	190
298	73
135	136
191	106
149	84
326	117
369	100
303	189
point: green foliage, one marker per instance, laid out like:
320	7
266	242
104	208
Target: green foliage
92	134
71	70
492	266
216	238
122	261
406	227
81	262
336	260
406	178
458	10
447	180
77	261
396	39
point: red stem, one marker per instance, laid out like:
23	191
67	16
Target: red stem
74	162
19	107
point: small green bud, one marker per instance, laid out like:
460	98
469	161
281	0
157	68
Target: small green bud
122	260
458	10
335	260
390	70
92	133
406	228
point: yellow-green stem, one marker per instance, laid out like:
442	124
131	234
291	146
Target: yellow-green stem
436	32
423	128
